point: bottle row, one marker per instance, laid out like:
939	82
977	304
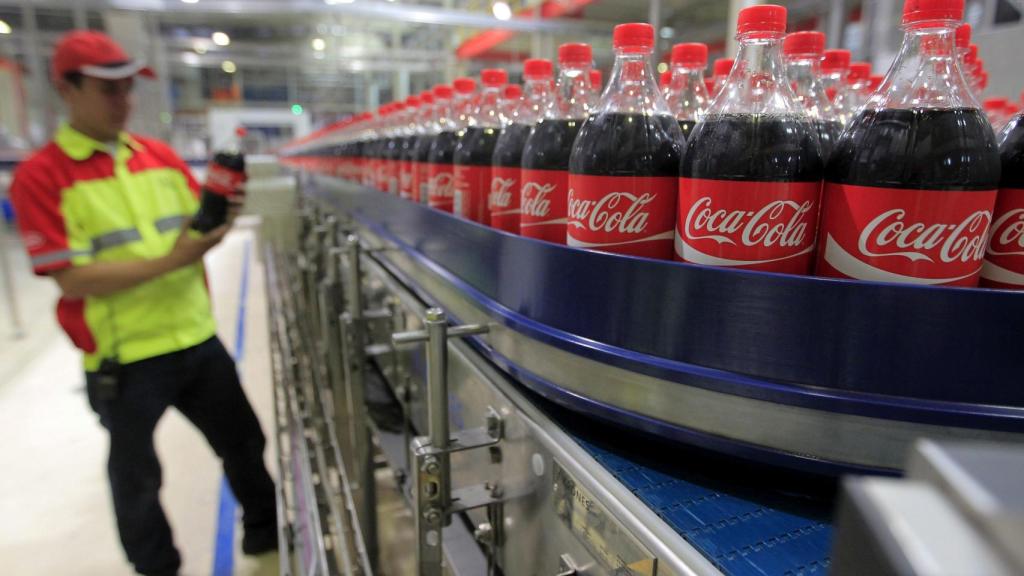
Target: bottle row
789	159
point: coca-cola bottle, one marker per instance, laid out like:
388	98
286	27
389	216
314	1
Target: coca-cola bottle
367	142
511	101
849	101
375	139
225	179
750	177
1004	259
473	154
441	183
719	73
625	161
410	129
995	111
422	123
664	79
688	98
545	176
835	65
506	164
911	184
595	82
442	97
803	52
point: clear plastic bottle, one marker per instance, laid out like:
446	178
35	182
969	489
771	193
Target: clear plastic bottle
1004	258
595	83
664	79
416	155
409	131
834	68
804	52
911	184
472	157
506	164
545	176
625	161
441	182
750	177
687	96
719	72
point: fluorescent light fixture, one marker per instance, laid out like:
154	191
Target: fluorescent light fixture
228	66
199	46
318	44
190	58
5	28
501	10
221	39
190	1
333	2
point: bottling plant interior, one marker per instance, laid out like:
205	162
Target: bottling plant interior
512	287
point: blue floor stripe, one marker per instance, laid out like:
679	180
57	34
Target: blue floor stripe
224	545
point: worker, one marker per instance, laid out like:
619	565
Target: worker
105	213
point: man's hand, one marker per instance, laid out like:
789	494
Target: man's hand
236	202
189	249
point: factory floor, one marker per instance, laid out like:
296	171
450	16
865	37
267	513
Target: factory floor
54	497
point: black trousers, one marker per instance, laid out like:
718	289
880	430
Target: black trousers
201	382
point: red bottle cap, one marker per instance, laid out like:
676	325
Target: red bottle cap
963	36
464	85
875	81
995	103
412	102
635	37
722	66
972	54
924	10
427	97
493	77
595	78
764	19
513	91
709	83
836	60
575	53
807	42
443	91
859	71
538	68
397	106
665	78
690	54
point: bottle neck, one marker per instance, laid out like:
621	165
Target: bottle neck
442	116
688	97
633	88
926	72
425	118
804	74
757	83
462	110
574	98
834	79
487	113
537	96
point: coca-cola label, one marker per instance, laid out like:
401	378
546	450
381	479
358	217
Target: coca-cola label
472	184
405	178
899	235
422	184
768	226
632	215
503	200
224	181
1004	257
440	187
544	204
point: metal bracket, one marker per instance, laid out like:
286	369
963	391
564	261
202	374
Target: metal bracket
434	499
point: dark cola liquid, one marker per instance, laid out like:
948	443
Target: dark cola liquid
828	135
686	127
421	148
508	150
923	149
476	147
1011	153
627	145
442	148
550	144
753	147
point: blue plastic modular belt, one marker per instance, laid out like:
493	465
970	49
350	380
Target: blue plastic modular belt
740	535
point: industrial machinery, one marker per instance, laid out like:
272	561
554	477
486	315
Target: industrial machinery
548	410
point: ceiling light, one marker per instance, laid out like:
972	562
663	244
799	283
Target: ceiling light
221	39
5	28
190	1
501	10
319	44
333	2
228	66
190	58
199	47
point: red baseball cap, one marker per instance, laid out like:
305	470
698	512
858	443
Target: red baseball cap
96	55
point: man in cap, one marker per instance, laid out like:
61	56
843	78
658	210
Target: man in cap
105	213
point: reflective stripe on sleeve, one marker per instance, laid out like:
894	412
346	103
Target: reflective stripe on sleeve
115	238
61	256
168	223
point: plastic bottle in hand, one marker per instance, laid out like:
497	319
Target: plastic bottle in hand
225	177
